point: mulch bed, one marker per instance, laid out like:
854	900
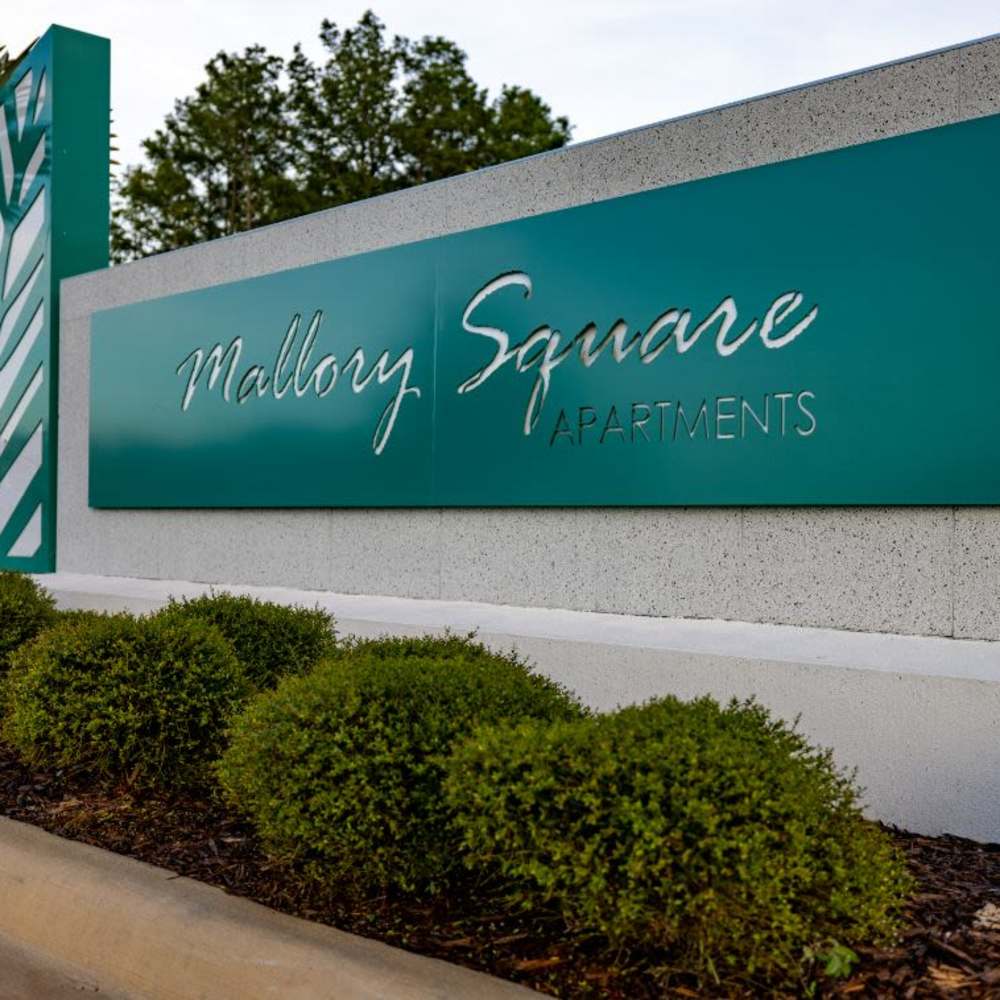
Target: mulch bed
950	947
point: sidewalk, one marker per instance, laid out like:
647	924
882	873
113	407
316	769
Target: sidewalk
25	975
145	932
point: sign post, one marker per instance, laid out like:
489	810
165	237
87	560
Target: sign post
54	202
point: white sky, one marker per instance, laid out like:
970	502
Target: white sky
607	64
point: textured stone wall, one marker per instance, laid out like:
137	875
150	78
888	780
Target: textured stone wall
918	570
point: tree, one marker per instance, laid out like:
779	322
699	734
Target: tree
263	140
221	163
344	115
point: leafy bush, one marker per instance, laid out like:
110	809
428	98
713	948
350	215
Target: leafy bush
717	833
270	640
124	697
341	769
449	646
77	615
25	610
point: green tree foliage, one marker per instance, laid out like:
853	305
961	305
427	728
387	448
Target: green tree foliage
219	165
263	139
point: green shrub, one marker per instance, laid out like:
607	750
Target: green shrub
270	640
25	610
449	646
341	769
77	615
124	697
716	833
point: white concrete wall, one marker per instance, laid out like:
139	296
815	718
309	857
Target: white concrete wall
919	718
927	571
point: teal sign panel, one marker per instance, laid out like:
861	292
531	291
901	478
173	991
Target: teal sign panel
819	331
54	163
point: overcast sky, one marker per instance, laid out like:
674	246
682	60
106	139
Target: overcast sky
607	64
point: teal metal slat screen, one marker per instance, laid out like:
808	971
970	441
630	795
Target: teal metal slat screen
54	163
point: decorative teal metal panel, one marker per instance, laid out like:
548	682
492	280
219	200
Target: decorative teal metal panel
818	331
54	153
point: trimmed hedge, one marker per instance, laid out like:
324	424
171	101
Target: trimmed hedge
124	697
341	769
78	615
448	646
716	833
270	640
25	610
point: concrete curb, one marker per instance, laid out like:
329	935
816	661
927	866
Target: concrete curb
150	934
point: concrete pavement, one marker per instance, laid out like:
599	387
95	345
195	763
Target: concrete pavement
150	934
27	975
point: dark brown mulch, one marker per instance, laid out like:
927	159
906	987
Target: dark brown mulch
947	950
